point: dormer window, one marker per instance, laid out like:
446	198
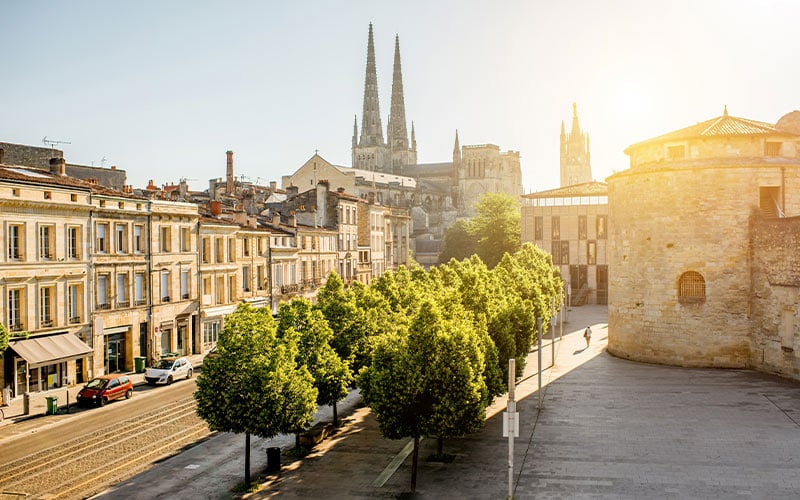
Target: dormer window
772	148
676	152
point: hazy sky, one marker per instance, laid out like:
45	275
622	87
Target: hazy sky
163	89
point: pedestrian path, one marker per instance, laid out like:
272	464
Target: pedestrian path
609	428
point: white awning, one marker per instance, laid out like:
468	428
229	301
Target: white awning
40	351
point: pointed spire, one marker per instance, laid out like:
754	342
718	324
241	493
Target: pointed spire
413	137
371	130
725	111
355	130
563	134
576	129
456	150
397	132
456	147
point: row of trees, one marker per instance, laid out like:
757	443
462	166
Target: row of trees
429	348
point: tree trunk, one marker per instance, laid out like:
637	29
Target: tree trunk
414	465
335	416
297	443
247	460
439	445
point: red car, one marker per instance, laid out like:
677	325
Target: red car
100	390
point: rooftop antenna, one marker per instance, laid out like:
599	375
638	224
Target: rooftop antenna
103	162
52	142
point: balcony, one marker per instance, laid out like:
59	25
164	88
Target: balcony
104	307
184	296
288	289
74	320
124	303
140	302
16	327
45	323
165	299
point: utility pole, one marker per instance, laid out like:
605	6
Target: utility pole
511	424
539	353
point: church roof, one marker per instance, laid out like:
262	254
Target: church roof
722	126
429	169
593	188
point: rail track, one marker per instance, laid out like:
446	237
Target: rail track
89	463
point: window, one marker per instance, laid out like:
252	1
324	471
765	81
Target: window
210	333
102	291
102	203
260	278
770	201
138	289
121	205
138	238
555	229
164	286
232	288
16	238
121	238
47	242
220	250
46	306
122	290
206	286
220	290
15	191
538	227
260	246
186	239
102	237
16	318
74	242
246	278
691	287
231	249
591	252
246	247
73	197
166	238
74	303
206	250
676	152
601	227
184	285
48	195
772	148
582	227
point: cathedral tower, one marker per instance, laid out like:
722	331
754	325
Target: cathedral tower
576	166
371	152
396	132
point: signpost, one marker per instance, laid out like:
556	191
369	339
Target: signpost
511	424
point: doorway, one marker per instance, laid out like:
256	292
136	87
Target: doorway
115	351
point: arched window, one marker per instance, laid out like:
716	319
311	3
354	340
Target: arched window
691	287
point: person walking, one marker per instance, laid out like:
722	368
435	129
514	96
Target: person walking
587	334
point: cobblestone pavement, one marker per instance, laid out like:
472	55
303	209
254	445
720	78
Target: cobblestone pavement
609	428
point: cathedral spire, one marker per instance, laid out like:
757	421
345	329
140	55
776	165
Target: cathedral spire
413	137
397	132
456	150
576	129
371	130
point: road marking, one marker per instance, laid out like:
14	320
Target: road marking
192	466
394	464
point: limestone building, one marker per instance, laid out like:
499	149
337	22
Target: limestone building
703	236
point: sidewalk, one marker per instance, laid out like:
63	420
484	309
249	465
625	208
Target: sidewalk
15	412
609	428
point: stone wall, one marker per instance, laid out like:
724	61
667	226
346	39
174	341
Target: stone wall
29	156
776	294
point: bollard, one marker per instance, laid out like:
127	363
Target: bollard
273	459
26	403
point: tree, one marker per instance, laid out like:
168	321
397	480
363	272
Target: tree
496	227
428	382
4	337
254	385
300	322
459	242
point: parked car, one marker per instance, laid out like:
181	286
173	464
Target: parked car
101	390
212	353
167	370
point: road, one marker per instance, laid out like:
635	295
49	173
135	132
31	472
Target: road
80	454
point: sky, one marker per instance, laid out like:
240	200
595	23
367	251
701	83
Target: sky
164	89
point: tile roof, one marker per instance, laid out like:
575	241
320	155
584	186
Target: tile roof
593	188
722	126
45	177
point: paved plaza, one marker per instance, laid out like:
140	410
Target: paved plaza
609	428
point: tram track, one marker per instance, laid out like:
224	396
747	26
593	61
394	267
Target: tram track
91	462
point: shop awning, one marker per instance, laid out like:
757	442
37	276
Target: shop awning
40	351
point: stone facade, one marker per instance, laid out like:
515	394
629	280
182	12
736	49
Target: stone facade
689	275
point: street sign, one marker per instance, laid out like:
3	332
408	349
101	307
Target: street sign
511	421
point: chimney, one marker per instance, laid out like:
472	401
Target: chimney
273	185
292	219
292	191
215	207
252	221
113	167
371	197
340	190
322	203
276	219
229	174
58	166
240	218
151	186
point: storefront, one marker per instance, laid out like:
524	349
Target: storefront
116	349
46	362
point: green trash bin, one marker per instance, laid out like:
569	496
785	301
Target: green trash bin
52	405
139	362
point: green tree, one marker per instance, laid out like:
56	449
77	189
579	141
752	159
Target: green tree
4	337
428	382
300	322
496	227
254	385
459	242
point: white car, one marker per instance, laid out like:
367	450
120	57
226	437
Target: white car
168	370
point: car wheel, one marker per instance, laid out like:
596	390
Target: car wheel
189	374
103	401
128	394
169	380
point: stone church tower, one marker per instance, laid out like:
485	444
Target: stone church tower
576	166
370	152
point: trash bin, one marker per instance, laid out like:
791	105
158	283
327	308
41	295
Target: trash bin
273	459
52	405
139	362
